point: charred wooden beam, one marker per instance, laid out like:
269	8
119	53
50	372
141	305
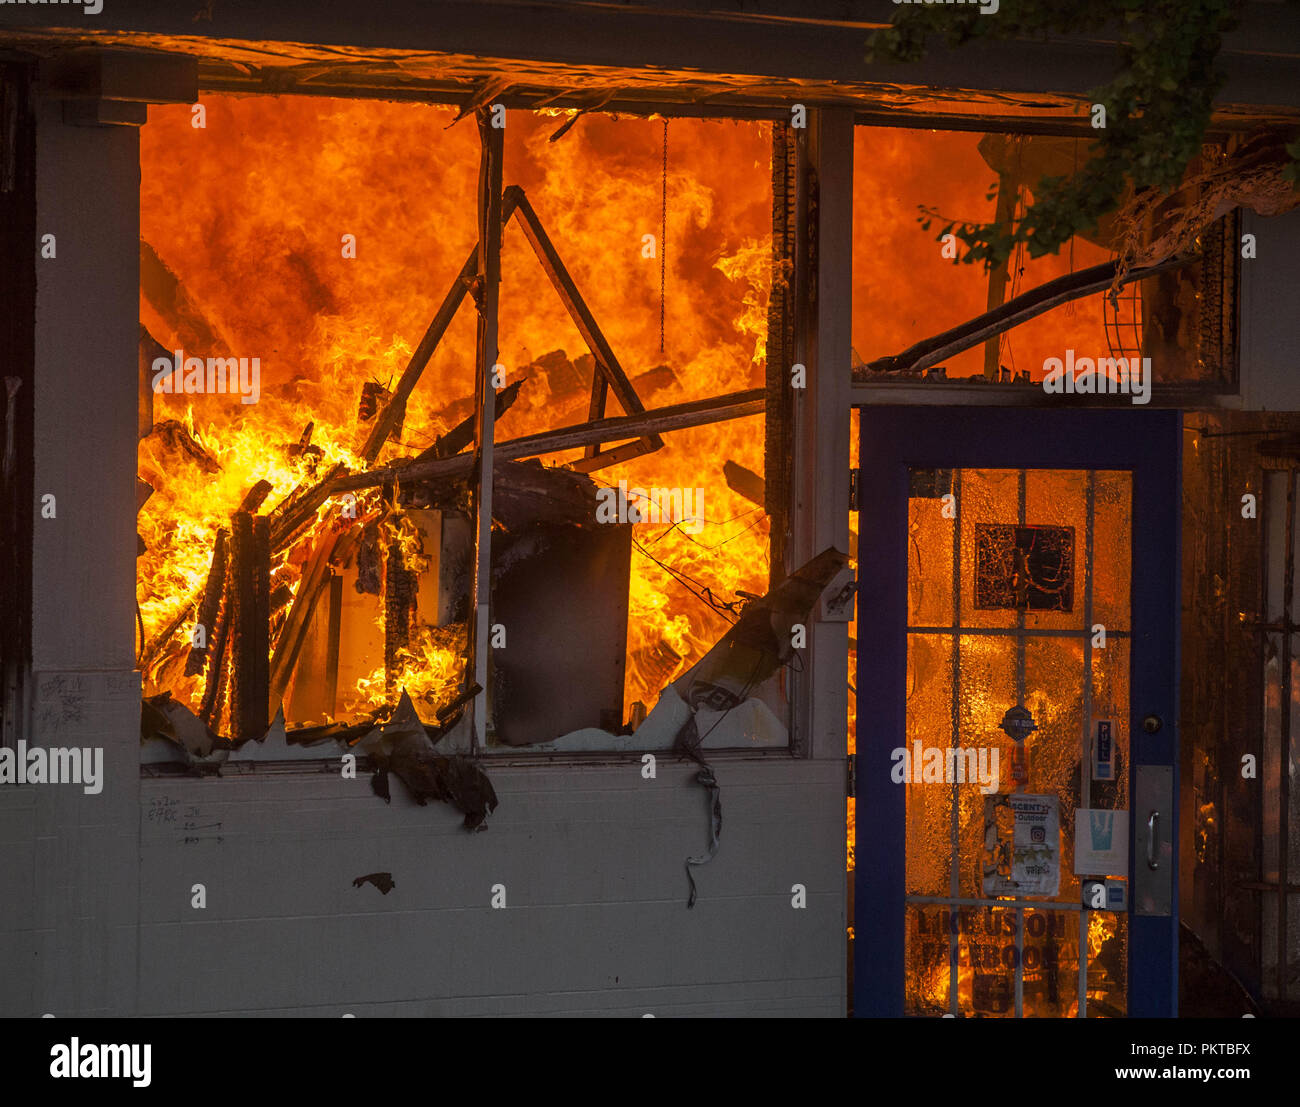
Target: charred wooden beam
372	399
297	510
744	482
462	434
598	102
999	153
143	490
217	681
241	598
524	493
596	408
210	605
695	413
176	436
576	306
370	561
218	672
331	732
255	496
303	448
163	638
149	351
167	295
616	455
259	695
778	428
490	218
456	704
280	597
250	577
488	89
396	407
287	647
333	630
400	587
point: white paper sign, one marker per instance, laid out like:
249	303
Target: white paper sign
1022	845
1100	842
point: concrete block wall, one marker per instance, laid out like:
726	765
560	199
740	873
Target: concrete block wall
68	881
592	863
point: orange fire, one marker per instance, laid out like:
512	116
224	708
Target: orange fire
910	290
256	214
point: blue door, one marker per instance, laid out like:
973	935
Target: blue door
1017	690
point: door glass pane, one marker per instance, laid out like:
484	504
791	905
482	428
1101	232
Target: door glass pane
929	550
929	712
987	496
1017	719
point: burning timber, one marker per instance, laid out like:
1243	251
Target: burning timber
299	512
341	588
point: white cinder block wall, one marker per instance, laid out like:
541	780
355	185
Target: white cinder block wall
69	861
97	890
595	921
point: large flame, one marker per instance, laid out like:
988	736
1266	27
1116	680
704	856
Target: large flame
251	212
905	288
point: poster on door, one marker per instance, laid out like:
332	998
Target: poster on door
1022	845
1100	842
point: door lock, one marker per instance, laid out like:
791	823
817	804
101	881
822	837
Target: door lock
1152	723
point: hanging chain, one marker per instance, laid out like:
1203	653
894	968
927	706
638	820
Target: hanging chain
663	235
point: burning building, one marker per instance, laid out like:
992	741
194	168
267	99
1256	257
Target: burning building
408	439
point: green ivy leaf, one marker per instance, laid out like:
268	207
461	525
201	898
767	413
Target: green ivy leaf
1158	106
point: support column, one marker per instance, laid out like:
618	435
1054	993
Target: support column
71	850
86	691
820	508
487	295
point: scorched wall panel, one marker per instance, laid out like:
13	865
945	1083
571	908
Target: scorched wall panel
592	860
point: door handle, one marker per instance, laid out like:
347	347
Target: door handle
1155	797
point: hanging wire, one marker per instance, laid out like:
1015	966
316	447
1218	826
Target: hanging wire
729	610
663	235
740	698
759	515
757	511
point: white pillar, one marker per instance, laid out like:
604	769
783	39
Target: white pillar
85	691
820	511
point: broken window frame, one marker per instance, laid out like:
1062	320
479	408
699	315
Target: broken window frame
1219	268
686	414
